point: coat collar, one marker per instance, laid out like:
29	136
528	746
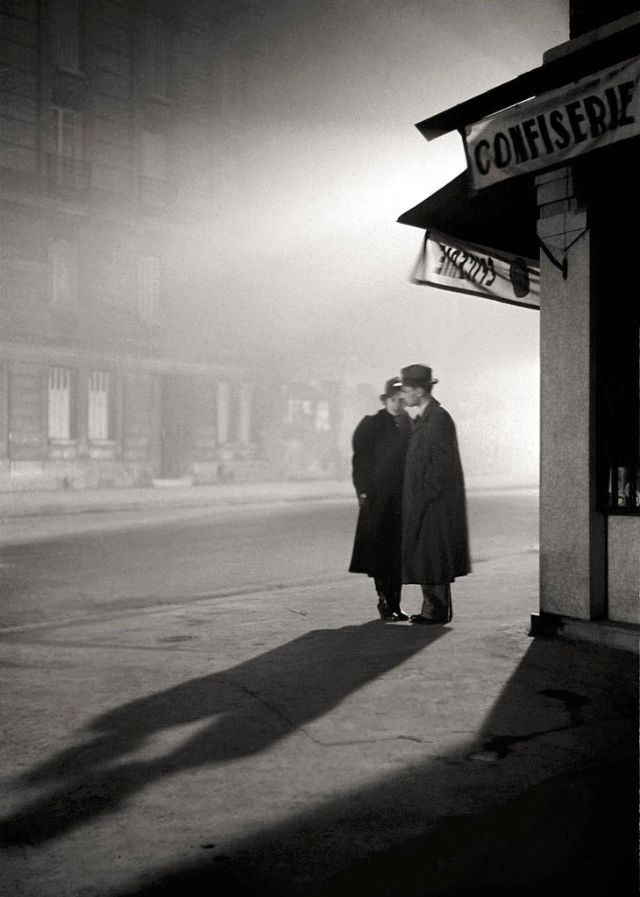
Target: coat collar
433	403
402	421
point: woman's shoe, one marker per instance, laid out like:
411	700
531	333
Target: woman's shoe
383	610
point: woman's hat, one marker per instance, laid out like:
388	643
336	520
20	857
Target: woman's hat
391	386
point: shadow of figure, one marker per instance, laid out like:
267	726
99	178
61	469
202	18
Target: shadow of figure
550	808
249	707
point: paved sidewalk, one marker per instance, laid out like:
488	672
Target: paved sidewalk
60	501
31	516
72	501
290	745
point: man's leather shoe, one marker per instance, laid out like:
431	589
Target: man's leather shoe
424	621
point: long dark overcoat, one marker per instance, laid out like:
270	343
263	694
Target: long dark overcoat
379	449
435	541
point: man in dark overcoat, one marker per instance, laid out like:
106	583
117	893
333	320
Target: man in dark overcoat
435	542
379	448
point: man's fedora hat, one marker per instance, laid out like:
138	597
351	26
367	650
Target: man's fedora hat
391	386
417	375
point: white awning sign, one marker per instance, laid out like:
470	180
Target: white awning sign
451	264
590	113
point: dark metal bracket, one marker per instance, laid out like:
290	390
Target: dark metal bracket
564	264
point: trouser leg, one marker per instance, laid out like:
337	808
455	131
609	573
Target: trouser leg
436	602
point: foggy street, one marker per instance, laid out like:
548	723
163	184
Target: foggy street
182	556
200	700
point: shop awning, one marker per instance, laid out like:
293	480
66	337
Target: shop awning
481	243
467	231
503	218
586	58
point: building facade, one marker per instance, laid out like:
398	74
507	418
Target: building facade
560	143
107	121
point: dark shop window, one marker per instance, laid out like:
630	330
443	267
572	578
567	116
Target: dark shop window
616	298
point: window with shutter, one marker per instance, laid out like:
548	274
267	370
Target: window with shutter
99	405
148	286
60	403
65	34
156	57
68	137
224	412
64	272
67	168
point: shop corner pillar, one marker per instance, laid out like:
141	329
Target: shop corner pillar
572	534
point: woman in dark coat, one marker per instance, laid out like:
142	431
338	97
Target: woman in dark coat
435	543
379	448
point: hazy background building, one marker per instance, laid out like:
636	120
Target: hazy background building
200	261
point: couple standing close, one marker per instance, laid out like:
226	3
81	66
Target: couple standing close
412	522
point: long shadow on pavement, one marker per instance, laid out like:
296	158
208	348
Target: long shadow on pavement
545	798
250	706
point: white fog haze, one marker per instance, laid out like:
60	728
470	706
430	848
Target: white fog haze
224	246
318	156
